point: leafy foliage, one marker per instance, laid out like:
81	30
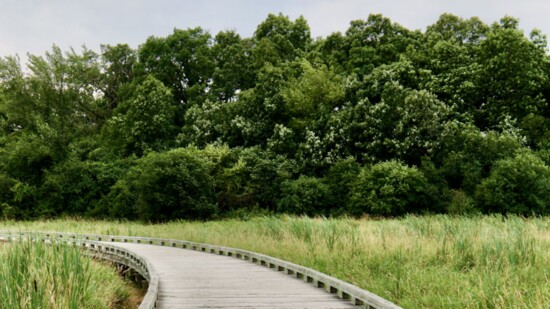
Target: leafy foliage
303	196
379	120
519	185
169	185
145	121
389	188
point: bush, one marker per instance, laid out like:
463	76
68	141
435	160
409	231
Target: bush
77	187
27	158
17	199
461	204
469	154
253	178
437	191
519	185
166	186
339	180
389	189
304	196
6	196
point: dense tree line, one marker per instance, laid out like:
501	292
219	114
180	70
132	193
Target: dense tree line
378	120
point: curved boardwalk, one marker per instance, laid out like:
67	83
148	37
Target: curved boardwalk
193	279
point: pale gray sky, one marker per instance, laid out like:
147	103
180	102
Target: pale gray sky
34	25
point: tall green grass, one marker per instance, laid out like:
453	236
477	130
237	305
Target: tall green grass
36	275
416	262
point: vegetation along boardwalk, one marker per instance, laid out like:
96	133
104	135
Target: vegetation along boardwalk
191	279
210	276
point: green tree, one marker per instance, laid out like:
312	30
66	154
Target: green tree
208	123
312	96
57	92
374	42
259	109
118	64
145	121
513	75
280	119
182	61
458	30
333	50
278	39
309	99
233	72
406	124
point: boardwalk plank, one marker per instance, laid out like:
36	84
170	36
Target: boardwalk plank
193	279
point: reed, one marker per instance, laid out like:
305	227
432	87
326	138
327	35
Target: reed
37	275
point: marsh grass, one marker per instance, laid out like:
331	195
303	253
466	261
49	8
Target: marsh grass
417	262
37	275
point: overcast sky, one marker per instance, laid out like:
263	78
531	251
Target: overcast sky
34	25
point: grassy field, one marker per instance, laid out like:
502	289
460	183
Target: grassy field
36	275
416	262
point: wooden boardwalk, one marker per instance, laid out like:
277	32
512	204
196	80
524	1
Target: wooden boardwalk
194	279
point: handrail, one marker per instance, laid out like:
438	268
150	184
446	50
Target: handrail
344	290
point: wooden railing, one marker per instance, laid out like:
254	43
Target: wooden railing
95	244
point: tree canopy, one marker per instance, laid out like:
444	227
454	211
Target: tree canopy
378	120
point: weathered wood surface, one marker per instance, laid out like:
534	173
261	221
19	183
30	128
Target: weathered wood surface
194	279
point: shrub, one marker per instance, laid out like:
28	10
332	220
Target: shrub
165	186
6	196
77	187
519	185
17	199
304	196
469	154
461	204
253	178
27	158
438	192
71	188
390	189
339	180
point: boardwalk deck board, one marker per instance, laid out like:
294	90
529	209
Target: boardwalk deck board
193	279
